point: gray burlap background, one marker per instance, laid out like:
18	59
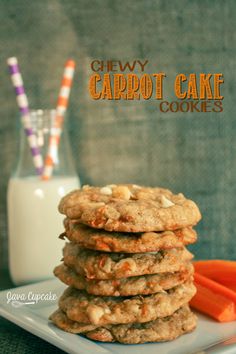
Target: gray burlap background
194	153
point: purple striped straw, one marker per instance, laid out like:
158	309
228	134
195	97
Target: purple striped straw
23	105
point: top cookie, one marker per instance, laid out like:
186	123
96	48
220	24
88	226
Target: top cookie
130	208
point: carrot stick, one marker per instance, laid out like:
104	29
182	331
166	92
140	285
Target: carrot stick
232	287
229	283
218	269
215	287
214	299
213	305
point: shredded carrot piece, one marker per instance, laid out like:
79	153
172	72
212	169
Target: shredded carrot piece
102	261
102	246
126	266
144	309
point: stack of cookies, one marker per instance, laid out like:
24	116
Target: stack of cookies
129	274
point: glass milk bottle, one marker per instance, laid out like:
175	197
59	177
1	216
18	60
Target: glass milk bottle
34	222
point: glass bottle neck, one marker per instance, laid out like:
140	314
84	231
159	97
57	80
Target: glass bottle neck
43	123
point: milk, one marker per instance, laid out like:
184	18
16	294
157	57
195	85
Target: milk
34	225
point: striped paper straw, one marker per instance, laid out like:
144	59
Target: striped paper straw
23	105
56	129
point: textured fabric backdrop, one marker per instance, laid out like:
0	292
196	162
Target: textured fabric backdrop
194	153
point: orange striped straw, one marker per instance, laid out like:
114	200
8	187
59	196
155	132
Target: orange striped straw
62	103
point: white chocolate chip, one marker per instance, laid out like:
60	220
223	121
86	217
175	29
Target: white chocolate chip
149	236
107	310
85	187
106	190
134	308
111	213
166	203
136	186
121	192
95	313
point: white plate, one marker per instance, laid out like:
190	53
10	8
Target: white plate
34	318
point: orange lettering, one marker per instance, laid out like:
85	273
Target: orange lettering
133	86
205	87
92	86
119	86
159	85
192	87
178	86
218	80
106	89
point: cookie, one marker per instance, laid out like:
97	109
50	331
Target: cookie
162	329
130	208
60	319
101	265
143	285
100	310
106	241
